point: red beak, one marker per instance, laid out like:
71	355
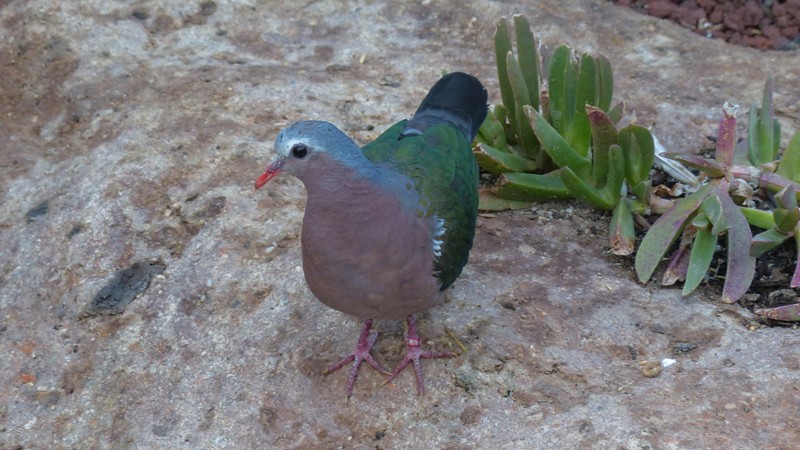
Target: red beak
273	169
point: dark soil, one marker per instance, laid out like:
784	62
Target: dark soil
764	24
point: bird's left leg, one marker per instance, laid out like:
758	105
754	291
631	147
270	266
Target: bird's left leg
415	353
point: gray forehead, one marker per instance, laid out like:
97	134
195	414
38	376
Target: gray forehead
316	134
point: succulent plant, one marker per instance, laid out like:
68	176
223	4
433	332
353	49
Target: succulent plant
700	219
563	141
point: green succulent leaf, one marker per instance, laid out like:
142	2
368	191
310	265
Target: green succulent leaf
497	162
763	129
492	133
664	231
561	89
789	166
700	220
556	147
712	209
622	237
617	112
642	191
605	194
705	242
528	144
528	55
639	151
605	83
758	218
598	198
766	241
502	47
578	132
531	187
786	219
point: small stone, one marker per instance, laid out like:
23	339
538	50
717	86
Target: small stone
683	347
650	369
160	430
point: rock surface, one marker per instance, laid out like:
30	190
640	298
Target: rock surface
131	135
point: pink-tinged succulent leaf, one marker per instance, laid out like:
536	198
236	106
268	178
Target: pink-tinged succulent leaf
796	276
622	237
705	242
786	313
741	266
677	267
712	168
774	182
766	241
664	231
787	198
604	135
726	139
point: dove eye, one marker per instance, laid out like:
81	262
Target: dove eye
299	151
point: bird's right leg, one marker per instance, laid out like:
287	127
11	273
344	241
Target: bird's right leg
359	355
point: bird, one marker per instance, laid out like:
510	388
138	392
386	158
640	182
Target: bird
388	227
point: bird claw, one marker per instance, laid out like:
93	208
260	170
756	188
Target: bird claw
360	355
414	354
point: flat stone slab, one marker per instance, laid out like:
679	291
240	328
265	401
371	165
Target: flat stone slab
131	137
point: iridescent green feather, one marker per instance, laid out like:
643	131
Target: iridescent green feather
445	174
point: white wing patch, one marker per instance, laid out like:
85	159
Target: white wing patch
438	231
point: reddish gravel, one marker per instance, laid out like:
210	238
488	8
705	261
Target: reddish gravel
765	24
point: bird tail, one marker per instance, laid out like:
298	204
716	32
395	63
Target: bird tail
458	99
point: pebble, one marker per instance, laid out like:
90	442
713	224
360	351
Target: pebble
650	369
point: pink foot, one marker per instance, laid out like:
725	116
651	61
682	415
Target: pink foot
359	355
415	353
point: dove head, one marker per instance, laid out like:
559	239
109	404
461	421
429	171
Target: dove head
306	148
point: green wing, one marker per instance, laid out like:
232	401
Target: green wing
441	163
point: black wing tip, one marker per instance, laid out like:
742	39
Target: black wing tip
457	98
